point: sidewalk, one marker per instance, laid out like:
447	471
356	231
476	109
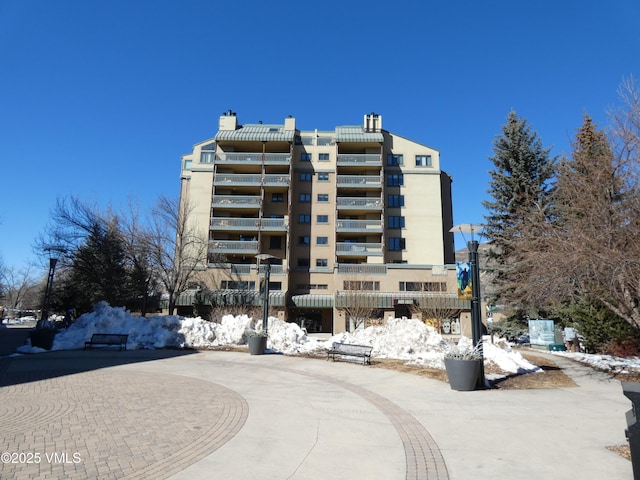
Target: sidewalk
231	415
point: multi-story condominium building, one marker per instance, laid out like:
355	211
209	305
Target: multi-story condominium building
357	220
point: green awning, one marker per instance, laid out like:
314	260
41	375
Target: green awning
313	301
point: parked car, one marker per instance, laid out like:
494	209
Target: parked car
523	339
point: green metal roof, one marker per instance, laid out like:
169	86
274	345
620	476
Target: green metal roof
313	300
257	133
357	135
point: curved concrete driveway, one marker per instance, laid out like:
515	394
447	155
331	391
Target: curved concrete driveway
231	415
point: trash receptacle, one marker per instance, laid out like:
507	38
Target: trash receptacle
632	392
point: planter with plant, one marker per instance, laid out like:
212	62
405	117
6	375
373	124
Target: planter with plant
43	336
464	365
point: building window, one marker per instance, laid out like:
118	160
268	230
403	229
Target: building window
395	222
423	160
277	197
275	243
322	240
303	262
305	157
305	198
304	218
323	177
206	157
423	286
304	240
323	157
322	219
237	285
322	262
361	285
311	286
323	197
307	140
305	176
394	160
323	141
395	179
395	201
188	164
396	244
276	286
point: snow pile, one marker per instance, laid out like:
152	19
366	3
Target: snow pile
405	339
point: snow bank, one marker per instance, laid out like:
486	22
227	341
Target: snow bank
405	339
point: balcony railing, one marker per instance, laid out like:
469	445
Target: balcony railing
273	224
240	269
358	249
236	201
359	203
360	159
225	223
374	226
234	246
275	269
225	179
359	181
274	180
362	269
252	158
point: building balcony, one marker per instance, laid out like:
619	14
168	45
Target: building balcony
359	160
359	203
359	181
252	158
373	226
273	225
226	223
236	201
234	246
237	180
345	249
275	180
361	269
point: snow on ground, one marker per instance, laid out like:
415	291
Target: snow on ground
404	339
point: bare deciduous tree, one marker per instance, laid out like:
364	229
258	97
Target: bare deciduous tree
19	289
357	301
178	250
436	304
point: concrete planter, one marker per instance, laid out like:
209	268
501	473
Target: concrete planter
463	375
257	344
43	338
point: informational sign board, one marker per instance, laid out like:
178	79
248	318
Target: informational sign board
541	332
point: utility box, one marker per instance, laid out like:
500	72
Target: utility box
632	392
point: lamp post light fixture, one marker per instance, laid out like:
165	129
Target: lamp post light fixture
266	258
476	310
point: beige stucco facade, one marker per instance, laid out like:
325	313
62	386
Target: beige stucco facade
356	208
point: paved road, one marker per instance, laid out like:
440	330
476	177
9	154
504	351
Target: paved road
230	415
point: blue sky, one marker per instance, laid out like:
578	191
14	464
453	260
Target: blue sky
100	99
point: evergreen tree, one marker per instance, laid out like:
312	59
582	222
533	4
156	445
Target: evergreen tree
520	191
98	270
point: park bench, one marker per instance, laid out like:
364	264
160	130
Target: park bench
351	350
107	339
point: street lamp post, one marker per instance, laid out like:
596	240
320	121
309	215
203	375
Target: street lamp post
53	260
265	290
476	311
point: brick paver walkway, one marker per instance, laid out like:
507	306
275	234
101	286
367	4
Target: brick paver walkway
113	424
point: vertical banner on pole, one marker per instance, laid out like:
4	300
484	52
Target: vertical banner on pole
464	280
